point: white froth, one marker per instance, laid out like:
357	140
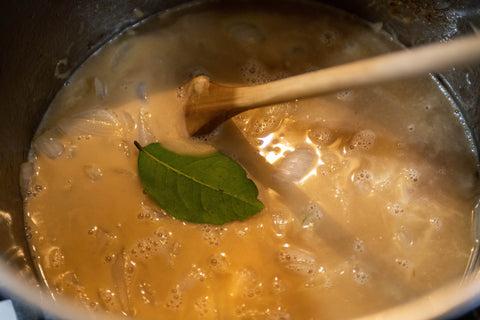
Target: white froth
411	175
174	298
264	124
320	135
403	263
361	277
345	95
363	179
313	213
363	140
395	209
359	246
436	222
93	172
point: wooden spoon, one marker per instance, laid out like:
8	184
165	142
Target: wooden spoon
209	104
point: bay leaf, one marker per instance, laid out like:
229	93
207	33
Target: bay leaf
212	188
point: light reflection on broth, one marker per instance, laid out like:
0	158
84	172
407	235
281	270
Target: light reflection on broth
368	193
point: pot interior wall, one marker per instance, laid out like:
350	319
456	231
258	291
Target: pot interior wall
43	42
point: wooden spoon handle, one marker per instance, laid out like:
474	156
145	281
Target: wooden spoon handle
393	66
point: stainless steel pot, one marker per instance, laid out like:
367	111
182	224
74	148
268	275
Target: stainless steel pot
42	42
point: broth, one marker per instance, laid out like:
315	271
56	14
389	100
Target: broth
368	192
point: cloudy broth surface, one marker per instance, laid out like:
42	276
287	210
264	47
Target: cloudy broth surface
368	192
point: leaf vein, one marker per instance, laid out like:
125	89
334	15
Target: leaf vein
193	178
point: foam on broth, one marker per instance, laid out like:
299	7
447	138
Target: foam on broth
368	193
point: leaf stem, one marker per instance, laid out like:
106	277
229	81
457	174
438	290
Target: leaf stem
139	147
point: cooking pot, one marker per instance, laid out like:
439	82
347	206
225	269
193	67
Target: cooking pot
42	42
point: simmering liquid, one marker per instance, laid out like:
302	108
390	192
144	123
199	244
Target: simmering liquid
368	192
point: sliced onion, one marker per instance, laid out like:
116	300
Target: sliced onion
125	119
142	91
27	170
97	122
145	135
100	89
48	144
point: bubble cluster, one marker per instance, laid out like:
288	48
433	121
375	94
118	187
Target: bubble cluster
204	306
246	283
163	236
436	222
358	245
302	268
289	254
280	221
195	275
320	135
277	314
363	179
253	72
93	172
218	263
125	147
146	248
211	234
361	277
406	264
345	95
395	209
313	213
104	239
278	285
67	281
149	213
109	300
34	191
174	298
86	301
262	125
411	175
363	140
298	261
147	293
55	258
174	250
252	290
328	38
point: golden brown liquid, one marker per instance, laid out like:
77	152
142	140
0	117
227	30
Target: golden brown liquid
368	193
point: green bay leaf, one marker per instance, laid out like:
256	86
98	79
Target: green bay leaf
211	188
